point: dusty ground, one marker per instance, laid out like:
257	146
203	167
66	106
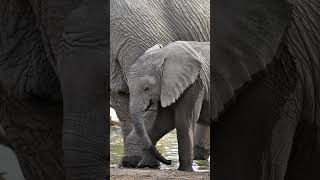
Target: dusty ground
155	174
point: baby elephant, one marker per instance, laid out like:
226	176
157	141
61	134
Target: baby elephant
171	85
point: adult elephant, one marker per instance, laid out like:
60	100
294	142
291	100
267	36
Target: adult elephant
137	26
52	86
267	58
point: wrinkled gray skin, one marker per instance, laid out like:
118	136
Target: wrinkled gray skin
176	78
266	75
137	26
53	87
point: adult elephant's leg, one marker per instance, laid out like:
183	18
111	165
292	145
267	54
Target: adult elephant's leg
202	134
254	138
119	96
29	114
201	142
82	71
120	103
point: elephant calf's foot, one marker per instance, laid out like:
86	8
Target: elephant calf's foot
130	161
185	166
150	162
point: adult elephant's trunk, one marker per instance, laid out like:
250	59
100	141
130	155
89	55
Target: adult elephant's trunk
138	122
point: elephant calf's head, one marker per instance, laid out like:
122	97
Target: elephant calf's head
160	76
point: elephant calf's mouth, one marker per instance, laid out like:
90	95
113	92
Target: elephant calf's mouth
151	110
150	107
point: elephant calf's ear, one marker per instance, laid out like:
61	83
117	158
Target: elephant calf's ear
180	69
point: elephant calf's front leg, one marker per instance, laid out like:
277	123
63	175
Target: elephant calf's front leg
187	113
185	147
162	125
185	131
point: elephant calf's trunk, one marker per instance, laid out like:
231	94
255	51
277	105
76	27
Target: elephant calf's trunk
158	156
142	133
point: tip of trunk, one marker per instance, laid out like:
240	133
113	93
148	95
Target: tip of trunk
158	156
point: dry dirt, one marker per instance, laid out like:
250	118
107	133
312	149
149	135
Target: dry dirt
155	174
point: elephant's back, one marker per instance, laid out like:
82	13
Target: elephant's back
153	22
